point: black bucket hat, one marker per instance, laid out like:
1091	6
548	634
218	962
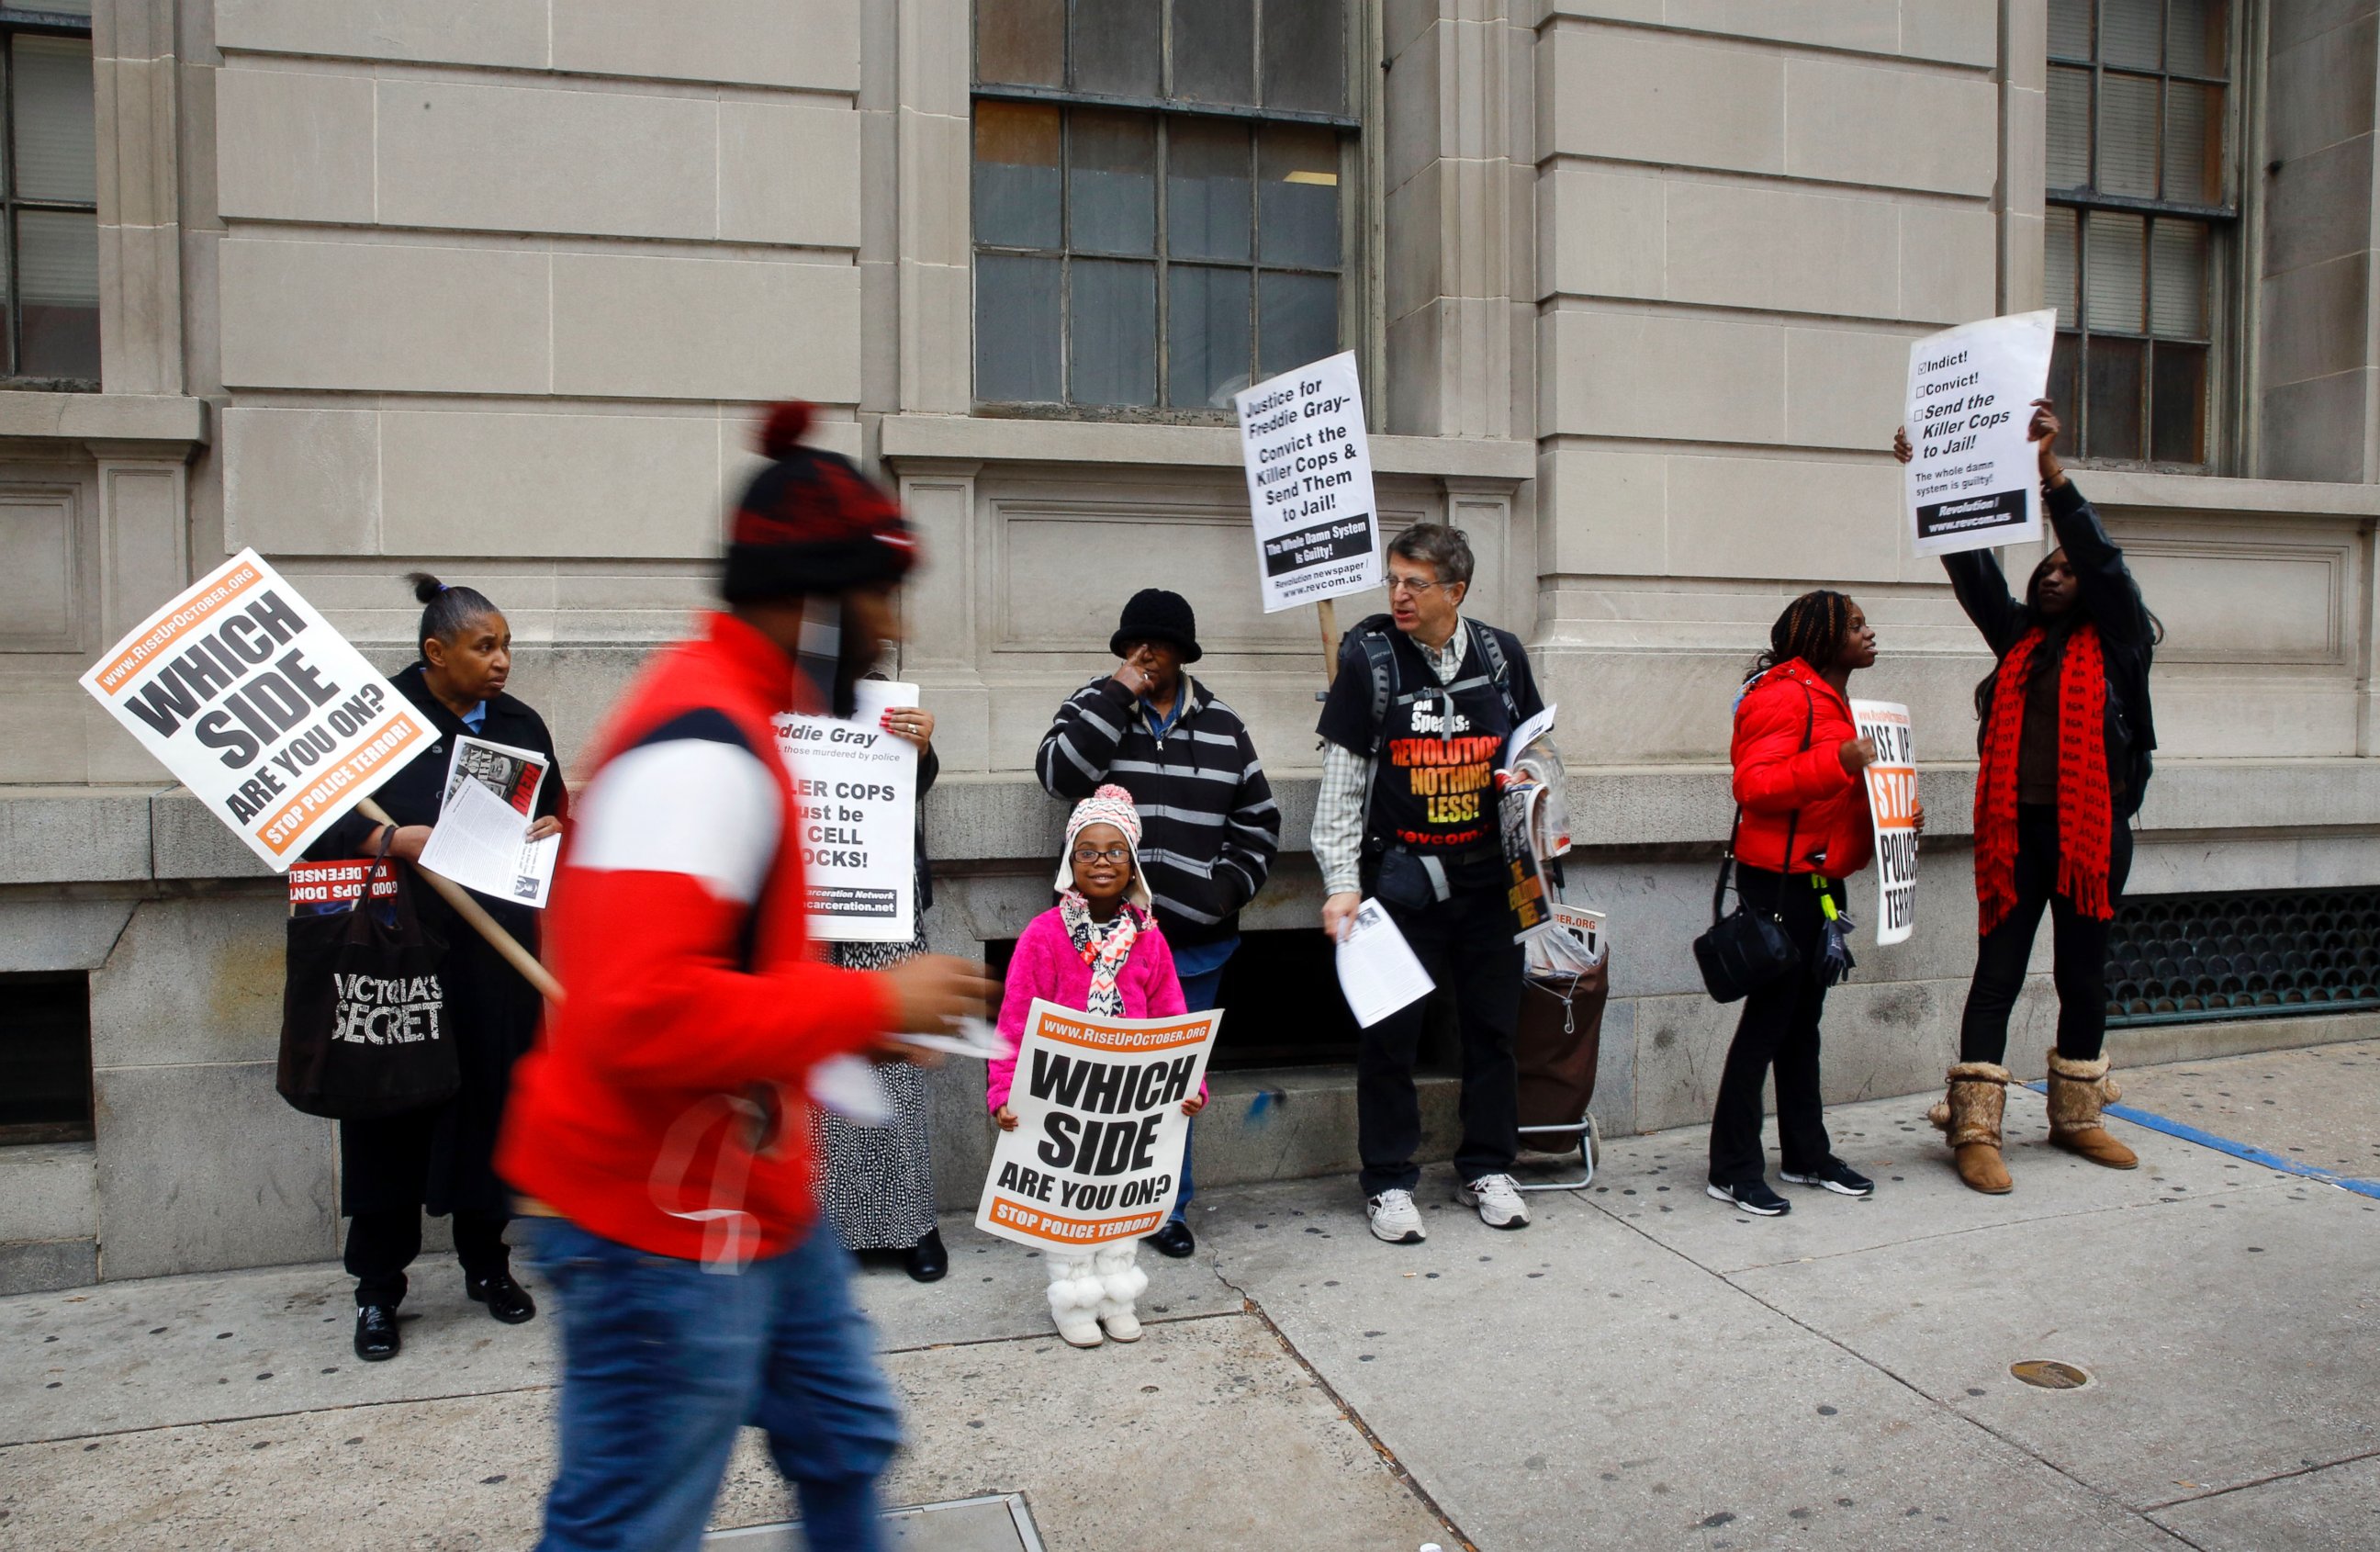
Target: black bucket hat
1154	614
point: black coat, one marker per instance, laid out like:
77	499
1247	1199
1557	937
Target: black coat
440	1158
2127	635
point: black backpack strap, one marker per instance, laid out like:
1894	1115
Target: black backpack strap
1499	666
1380	659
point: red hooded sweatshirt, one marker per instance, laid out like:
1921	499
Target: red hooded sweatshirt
662	1106
1775	776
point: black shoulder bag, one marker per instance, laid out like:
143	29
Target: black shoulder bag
1746	949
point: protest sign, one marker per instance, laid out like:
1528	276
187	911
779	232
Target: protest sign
1309	470
1097	1153
1892	804
857	787
1975	480
327	886
253	702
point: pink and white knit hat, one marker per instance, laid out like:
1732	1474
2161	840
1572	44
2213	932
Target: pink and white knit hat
1109	805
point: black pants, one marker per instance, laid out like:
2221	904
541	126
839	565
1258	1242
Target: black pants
381	1244
2079	946
1779	1030
1466	945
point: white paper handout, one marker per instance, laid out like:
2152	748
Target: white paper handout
1309	467
1378	970
482	843
1975	480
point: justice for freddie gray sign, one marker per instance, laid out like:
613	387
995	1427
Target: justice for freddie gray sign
258	707
857	785
1310	484
1974	482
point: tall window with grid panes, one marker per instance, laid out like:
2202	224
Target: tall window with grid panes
1161	199
2140	220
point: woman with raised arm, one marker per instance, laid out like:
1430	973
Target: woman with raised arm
2066	738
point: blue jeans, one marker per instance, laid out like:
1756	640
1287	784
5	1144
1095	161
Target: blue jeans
664	1361
1198	994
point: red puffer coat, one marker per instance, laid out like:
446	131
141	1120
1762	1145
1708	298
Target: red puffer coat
1775	776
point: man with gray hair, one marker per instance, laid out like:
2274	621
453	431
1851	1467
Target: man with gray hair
1412	732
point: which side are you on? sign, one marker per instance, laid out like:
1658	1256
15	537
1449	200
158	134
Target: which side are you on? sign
258	707
1097	1153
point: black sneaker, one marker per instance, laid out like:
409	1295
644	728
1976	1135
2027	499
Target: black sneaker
1836	1176
1753	1196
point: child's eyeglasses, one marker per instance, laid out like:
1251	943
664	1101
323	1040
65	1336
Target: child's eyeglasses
1086	855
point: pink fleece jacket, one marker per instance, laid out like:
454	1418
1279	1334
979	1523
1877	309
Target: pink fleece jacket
1046	965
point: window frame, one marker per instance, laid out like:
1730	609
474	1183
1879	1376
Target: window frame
35	22
2226	223
1355	196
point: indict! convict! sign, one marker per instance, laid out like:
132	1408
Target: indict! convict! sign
1974	482
1310	484
1892	804
259	708
1097	1153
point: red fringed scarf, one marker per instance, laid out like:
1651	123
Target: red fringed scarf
2085	813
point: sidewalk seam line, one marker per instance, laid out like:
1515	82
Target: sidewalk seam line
2260	1482
1347	1410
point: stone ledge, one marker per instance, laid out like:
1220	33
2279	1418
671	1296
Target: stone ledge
2225	498
1118	442
104	417
50	835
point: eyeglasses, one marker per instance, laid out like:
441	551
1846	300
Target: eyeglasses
1088	855
1413	585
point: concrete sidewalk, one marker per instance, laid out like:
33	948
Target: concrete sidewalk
1641	1367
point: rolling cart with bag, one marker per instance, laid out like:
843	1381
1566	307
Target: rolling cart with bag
1566	981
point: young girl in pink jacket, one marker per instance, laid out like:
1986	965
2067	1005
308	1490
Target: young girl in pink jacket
1097	950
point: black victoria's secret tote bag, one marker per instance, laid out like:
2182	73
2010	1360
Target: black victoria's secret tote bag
363	1015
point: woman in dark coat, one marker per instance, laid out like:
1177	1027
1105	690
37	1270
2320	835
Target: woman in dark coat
2066	741
437	1159
875	1184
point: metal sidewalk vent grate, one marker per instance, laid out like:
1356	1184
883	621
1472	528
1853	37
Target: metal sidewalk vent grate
2179	958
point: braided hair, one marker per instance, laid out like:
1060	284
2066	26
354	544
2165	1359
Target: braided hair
446	612
1812	628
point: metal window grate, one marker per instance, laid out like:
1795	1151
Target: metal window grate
2179	958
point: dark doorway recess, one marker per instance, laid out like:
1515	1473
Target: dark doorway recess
45	1057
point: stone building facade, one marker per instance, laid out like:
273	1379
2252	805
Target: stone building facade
494	286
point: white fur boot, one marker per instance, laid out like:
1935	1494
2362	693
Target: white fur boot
1075	1290
1120	1282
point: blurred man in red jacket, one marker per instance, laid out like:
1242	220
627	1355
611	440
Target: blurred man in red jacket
655	1133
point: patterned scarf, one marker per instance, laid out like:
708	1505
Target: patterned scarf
1104	947
2085	812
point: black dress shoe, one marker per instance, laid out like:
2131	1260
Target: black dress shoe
505	1299
927	1261
1174	1239
376	1338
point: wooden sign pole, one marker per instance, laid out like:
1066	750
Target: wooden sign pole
477	914
1328	614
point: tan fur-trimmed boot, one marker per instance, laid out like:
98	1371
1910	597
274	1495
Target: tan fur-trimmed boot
2077	1091
1971	1118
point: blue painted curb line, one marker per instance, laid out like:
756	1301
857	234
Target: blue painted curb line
2237	1150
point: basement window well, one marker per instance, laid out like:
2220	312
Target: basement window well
45	1057
2181	958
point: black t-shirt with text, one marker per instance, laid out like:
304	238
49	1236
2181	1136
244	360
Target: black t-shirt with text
1434	783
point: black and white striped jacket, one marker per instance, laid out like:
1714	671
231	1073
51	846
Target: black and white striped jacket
1208	823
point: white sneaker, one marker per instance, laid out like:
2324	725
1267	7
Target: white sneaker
1497	1198
1395	1218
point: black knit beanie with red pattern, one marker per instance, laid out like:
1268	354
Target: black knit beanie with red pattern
811	523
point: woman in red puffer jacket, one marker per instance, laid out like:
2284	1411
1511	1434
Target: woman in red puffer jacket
1804	828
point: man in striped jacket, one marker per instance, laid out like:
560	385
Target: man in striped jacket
1210	825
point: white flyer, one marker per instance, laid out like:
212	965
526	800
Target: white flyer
1892	806
1309	466
482	843
250	700
1378	970
856	786
1975	481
